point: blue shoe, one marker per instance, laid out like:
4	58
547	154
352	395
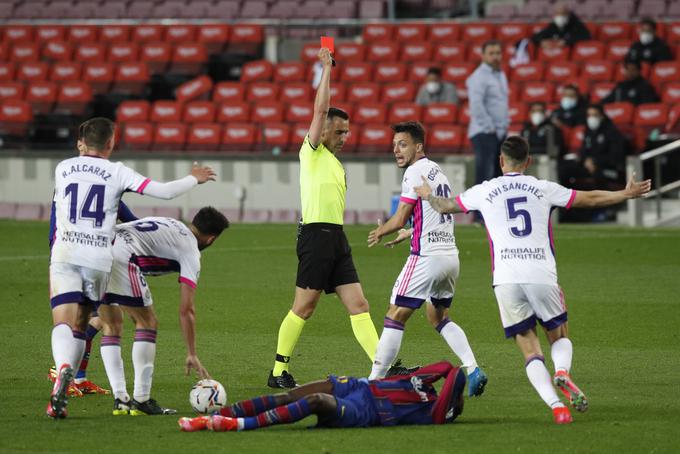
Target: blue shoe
476	382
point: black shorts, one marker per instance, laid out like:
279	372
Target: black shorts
324	258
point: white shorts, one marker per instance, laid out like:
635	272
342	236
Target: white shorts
127	286
521	305
76	284
425	278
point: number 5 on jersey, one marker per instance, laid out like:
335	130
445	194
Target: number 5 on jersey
515	213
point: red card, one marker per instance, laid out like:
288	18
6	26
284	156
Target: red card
329	42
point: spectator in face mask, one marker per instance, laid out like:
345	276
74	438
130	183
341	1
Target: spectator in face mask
435	90
572	110
649	48
565	30
633	88
603	153
543	136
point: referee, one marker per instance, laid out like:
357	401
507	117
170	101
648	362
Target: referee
324	255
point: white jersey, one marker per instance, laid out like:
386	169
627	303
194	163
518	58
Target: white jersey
432	232
516	210
86	197
159	246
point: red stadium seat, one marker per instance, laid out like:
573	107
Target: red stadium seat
73	98
409	32
349	52
531	72
15	117
289	72
188	58
597	71
574	137
166	112
418	71
449	52
244	34
538	92
617	50
169	136
377	32
406	111
298	132
11	91
229	92
390	72
180	33
18	33
204	136
561	72
300	92
145	33
138	135
133	111
347	107
233	111
416	51
440	113
65	72
673	33
99	76
614	31
652	114
621	113
4	51
671	93
601	90
57	51
275	135
457	72
300	112
474	54
444	32
122	52
398	92
310	53
82	33
197	88
511	32
113	33
363	92
199	112
518	112
464	114
367	113
259	70
588	51
42	96
32	72
25	52
356	72
262	91
375	138
663	72
157	56
477	32
556	54
90	52
382	51
213	36
267	112
673	124
7	72
445	138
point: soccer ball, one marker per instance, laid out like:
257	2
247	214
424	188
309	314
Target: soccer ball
207	396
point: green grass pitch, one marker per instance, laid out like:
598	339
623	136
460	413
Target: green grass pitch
623	294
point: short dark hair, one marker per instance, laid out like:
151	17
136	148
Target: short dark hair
537	103
96	132
335	112
630	61
210	221
571	87
436	70
412	128
491	42
599	108
648	21
516	148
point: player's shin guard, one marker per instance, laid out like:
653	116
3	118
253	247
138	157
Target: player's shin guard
251	407
90	334
289	333
457	340
63	345
388	348
113	363
541	381
364	331
561	352
143	356
285	414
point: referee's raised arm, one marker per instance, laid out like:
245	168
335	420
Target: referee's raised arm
323	98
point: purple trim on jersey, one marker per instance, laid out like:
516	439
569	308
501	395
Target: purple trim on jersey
554	322
442	302
142	186
571	199
123	300
53	225
393	324
151	264
417	227
145	335
512	174
187	281
66	298
407	301
534	358
125	214
110	341
491	251
461	205
442	324
78	335
520	327
408	200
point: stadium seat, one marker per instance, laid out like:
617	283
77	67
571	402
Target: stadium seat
256	71
454	52
405	111
370	113
538	92
11	91
145	33
573	137
57	51
377	32
375	138
671	93
73	98
511	32
597	71
228	92
204	136
213	36
651	114
267	112
389	72
614	31
617	50
588	51
180	33
82	33
114	33
356	72
198	88
234	112
25	52
262	91
309	53
7	72
136	111
477	33
416	51
562	72
137	135
417	71
298	132
445	32
157	56
90	52
382	51
274	135
169	136
464	114
457	72
289	72
474	54
65	72
442	113
673	31
42	96
363	92
664	72
188	58
18	33
122	52
238	137
15	117
531	72
445	138
410	32
398	92
199	112
165	111
347	107
555	54
673	124
300	112
99	76
302	92
349	52
621	113
246	38
601	90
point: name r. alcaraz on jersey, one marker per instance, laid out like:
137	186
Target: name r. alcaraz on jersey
526	187
96	170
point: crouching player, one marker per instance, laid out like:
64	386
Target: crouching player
349	402
152	246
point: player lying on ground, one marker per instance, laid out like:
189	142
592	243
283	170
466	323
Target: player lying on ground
349	402
516	210
152	246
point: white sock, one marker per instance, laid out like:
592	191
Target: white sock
62	345
388	347
78	349
541	381
561	352
113	363
143	355
457	340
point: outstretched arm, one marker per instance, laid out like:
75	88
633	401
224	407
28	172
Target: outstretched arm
439	204
397	221
187	321
172	189
592	199
323	98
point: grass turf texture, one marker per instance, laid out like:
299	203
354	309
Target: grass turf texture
621	286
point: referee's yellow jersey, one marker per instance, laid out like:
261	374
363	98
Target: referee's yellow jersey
322	185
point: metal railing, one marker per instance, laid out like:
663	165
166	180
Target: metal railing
635	165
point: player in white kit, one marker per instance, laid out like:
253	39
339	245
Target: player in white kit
152	246
516	210
87	192
432	268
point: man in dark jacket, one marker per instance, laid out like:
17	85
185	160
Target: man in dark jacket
543	136
649	48
565	30
572	110
633	89
603	153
